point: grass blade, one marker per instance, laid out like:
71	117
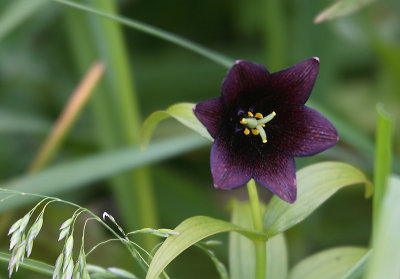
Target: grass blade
185	43
70	176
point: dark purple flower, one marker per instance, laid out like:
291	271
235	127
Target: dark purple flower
260	123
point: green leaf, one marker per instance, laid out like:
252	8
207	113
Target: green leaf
32	265
242	257
385	257
382	164
182	112
341	8
277	257
191	231
328	264
17	12
316	183
73	175
358	269
242	253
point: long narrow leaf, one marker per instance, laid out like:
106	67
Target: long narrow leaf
70	176
191	231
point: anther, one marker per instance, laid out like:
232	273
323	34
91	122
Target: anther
246	131
258	115
250	114
243	121
255	132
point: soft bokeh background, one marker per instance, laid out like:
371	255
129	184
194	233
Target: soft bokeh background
44	58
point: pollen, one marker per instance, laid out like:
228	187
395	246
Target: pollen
250	114
255	132
246	132
243	121
258	115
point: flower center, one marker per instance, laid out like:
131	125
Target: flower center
256	124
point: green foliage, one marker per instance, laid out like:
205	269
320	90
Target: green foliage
329	264
341	8
167	36
182	112
358	269
383	154
385	257
241	249
73	175
191	231
316	184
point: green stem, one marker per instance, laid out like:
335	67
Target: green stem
256	212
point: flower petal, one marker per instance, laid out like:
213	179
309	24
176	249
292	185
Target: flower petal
242	79
228	168
277	173
294	85
301	131
209	114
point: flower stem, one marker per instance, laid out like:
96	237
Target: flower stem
261	251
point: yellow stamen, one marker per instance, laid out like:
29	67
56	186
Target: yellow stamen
246	131
263	125
250	114
259	115
243	121
255	132
264	141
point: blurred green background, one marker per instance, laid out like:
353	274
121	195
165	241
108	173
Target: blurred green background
43	58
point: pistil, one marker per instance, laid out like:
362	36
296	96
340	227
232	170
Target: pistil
256	124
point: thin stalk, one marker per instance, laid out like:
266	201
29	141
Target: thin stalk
156	32
256	212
